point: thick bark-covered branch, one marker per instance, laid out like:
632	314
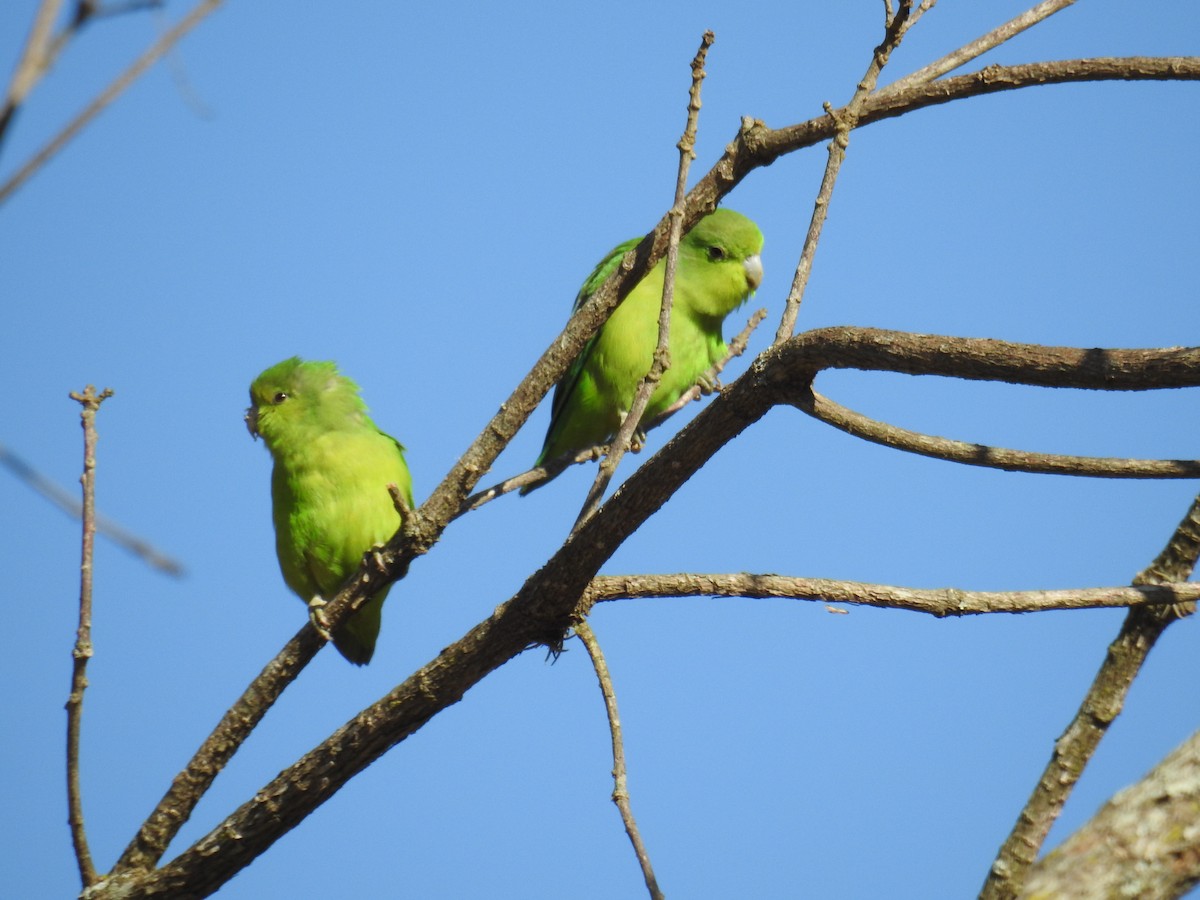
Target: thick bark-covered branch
794	365
175	808
1142	843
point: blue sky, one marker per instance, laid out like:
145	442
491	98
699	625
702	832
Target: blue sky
416	191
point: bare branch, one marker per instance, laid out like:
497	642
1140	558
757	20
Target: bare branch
794	364
845	120
176	806
620	794
1142	843
35	60
110	93
978	47
111	530
756	145
90	401
939	602
877	432
1102	704
709	382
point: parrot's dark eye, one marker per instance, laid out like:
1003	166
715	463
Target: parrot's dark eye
716	254
279	398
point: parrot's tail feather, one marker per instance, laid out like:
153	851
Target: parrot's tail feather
355	640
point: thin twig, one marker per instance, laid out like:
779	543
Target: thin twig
977	47
66	502
538	475
110	93
42	50
878	432
90	401
939	602
845	120
710	382
661	360
620	794
87	11
1101	705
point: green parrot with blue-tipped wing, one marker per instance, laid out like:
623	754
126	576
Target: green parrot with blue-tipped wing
329	486
719	267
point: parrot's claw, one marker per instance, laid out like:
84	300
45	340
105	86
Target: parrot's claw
316	615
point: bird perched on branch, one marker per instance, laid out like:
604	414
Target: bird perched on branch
329	486
719	267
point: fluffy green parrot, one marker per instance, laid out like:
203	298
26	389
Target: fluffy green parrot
718	269
329	485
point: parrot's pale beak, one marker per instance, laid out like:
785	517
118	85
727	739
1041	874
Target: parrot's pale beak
252	421
754	271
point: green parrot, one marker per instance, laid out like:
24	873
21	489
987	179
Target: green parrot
328	487
718	269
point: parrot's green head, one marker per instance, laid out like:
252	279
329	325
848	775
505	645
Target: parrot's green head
295	398
725	248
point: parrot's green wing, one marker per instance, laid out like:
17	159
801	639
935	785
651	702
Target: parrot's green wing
566	387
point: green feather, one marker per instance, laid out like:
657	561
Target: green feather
328	487
718	269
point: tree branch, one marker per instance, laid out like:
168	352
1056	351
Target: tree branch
177	805
90	401
790	368
978	47
1142	843
34	62
877	432
620	794
142	549
845	120
939	602
105	97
